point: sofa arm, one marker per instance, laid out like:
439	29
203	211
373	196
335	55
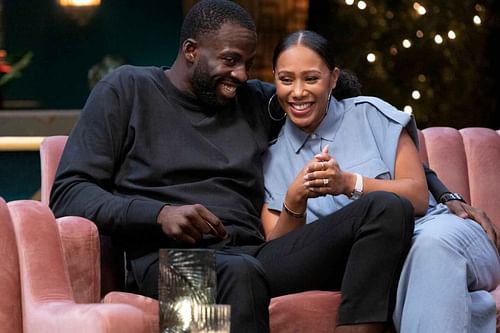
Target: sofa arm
80	245
149	306
47	298
309	311
66	316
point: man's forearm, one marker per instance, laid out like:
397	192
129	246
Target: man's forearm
436	187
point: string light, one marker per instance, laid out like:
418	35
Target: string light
408	109
421	30
419	8
406	43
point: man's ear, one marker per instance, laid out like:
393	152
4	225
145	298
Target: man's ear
189	49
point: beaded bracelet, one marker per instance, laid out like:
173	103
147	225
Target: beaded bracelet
292	213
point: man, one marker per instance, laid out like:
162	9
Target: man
171	158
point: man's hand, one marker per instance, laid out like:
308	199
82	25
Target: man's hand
189	223
464	210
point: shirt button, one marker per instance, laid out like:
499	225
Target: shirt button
313	136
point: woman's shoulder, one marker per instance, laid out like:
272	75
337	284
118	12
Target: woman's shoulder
376	107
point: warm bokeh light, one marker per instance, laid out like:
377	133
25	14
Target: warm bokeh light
406	43
479	7
408	109
78	3
419	8
349	2
416	52
361	5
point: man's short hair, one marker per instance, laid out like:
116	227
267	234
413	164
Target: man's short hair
207	16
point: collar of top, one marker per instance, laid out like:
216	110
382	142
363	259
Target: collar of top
326	129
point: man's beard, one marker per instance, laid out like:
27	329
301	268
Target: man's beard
204	87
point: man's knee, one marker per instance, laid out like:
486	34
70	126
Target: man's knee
242	283
240	272
444	231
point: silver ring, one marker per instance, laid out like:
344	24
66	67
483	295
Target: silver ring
325	181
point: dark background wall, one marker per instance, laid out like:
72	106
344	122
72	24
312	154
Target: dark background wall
462	76
146	33
142	32
458	79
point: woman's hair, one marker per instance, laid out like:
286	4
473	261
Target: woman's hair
348	84
309	39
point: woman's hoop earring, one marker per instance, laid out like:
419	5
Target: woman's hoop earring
269	110
328	101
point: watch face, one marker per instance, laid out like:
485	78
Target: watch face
451	196
358	187
356	195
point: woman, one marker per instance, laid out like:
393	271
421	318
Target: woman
331	152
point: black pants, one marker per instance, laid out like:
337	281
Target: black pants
359	250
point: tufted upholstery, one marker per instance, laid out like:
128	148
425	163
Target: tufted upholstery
466	160
10	291
47	297
111	265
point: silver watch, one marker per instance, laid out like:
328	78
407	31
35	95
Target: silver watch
358	187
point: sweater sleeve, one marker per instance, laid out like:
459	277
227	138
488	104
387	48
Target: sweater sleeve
436	187
84	184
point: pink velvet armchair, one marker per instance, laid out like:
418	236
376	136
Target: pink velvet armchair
10	287
303	312
112	265
466	160
36	292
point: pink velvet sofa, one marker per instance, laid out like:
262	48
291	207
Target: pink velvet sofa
40	293
467	160
10	288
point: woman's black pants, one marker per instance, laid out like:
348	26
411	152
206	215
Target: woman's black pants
359	250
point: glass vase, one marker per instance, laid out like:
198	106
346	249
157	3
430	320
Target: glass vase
187	277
